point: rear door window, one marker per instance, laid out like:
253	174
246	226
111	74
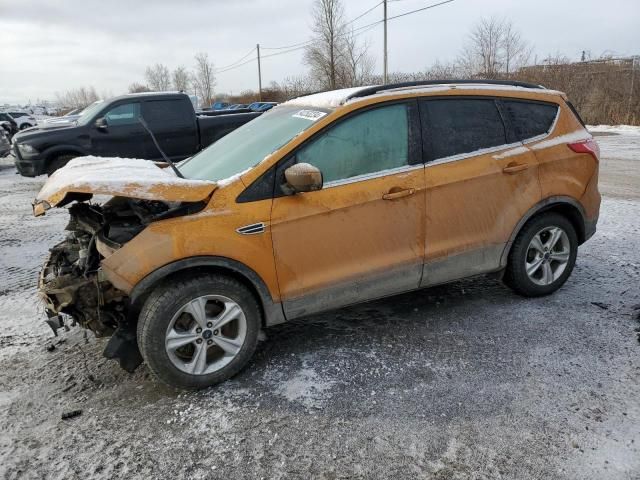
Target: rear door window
168	113
459	126
530	119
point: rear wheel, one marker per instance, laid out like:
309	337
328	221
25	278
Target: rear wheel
199	331
543	255
58	162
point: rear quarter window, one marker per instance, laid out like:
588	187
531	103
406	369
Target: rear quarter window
530	119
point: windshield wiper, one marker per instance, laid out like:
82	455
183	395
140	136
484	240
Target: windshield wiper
167	159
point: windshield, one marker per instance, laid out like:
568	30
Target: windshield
88	113
248	145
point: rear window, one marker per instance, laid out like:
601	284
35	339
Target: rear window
530	119
168	113
458	126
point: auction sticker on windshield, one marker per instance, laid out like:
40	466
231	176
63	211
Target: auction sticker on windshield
312	115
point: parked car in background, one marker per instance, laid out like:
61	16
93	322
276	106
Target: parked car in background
22	119
261	106
12	124
71	116
324	201
237	106
5	145
219	106
112	129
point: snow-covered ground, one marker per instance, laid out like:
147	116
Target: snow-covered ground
466	380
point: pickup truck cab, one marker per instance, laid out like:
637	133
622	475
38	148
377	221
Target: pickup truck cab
112	129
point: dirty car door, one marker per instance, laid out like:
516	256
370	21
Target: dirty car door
480	182
362	235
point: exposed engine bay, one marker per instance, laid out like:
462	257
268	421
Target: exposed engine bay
72	284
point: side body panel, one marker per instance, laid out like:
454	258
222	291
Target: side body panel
346	244
472	209
212	232
564	172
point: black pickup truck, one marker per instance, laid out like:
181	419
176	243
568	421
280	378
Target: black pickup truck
113	129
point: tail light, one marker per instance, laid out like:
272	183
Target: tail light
589	146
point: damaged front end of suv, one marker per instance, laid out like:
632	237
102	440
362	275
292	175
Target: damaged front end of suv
72	284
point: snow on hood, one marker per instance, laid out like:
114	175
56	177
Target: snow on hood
123	177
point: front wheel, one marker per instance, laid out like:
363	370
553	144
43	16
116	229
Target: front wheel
200	331
543	255
58	162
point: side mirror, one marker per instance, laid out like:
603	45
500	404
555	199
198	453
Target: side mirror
101	123
303	177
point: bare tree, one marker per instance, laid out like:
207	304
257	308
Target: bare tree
515	51
158	77
203	78
483	53
77	98
136	87
495	49
323	55
181	79
358	64
334	56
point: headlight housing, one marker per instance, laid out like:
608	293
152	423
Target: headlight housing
27	150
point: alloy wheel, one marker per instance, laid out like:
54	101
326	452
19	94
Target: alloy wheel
547	255
206	334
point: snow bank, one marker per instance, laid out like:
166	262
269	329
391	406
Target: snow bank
619	129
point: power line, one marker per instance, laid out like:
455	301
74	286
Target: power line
287	46
301	45
363	14
237	61
311	41
360	30
236	66
420	9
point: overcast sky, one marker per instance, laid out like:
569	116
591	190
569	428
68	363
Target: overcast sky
48	46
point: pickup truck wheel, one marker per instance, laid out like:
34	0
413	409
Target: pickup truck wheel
198	331
58	162
543	256
25	125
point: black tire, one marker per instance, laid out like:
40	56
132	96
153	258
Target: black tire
58	162
160	308
24	126
516	275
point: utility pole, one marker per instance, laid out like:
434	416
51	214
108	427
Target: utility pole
633	75
259	74
385	76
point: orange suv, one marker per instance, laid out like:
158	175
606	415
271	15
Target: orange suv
325	201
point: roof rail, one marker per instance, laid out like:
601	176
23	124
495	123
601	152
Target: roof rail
365	92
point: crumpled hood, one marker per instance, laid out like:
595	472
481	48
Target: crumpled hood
121	177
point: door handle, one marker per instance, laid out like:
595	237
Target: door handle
515	167
395	194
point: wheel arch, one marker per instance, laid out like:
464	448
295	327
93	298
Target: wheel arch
272	312
54	152
567	206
